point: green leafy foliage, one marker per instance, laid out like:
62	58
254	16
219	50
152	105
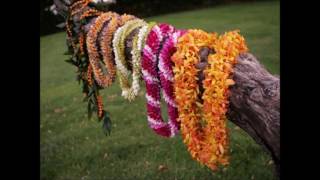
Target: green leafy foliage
106	126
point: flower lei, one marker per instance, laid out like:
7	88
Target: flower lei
105	44
142	37
94	57
90	12
75	9
118	44
207	143
159	45
137	45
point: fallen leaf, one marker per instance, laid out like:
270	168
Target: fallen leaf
111	97
162	168
229	82
58	110
224	169
237	128
141	93
105	156
147	163
252	177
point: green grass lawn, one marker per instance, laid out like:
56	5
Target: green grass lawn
73	147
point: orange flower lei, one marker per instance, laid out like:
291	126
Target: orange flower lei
125	18
75	9
81	43
78	3
90	12
69	35
89	75
105	44
93	53
100	106
203	126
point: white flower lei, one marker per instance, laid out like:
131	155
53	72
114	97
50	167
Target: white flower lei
128	92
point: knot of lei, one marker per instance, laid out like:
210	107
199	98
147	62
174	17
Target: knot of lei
157	73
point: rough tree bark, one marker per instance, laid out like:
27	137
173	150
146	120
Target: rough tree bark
255	104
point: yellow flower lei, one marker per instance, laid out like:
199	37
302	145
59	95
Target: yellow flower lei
207	143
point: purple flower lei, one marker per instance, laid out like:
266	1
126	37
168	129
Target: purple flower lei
157	72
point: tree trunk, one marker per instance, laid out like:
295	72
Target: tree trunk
255	104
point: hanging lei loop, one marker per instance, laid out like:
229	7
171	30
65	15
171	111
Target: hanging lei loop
82	9
100	74
106	46
159	45
203	126
128	92
83	5
166	78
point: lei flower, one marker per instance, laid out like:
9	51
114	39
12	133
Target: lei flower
121	63
94	57
75	9
89	13
106	46
203	126
153	53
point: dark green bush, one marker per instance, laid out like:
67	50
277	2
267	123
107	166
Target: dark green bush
139	8
143	8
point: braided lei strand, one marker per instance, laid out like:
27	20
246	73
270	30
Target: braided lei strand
118	44
166	79
94	57
138	43
106	46
207	143
159	45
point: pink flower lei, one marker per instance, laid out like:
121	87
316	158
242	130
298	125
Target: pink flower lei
157	72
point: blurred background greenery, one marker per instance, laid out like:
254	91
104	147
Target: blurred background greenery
140	8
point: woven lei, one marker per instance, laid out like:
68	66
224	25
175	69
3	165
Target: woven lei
128	92
186	92
207	143
162	34
106	46
99	74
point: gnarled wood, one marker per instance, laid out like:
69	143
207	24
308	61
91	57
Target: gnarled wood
255	104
